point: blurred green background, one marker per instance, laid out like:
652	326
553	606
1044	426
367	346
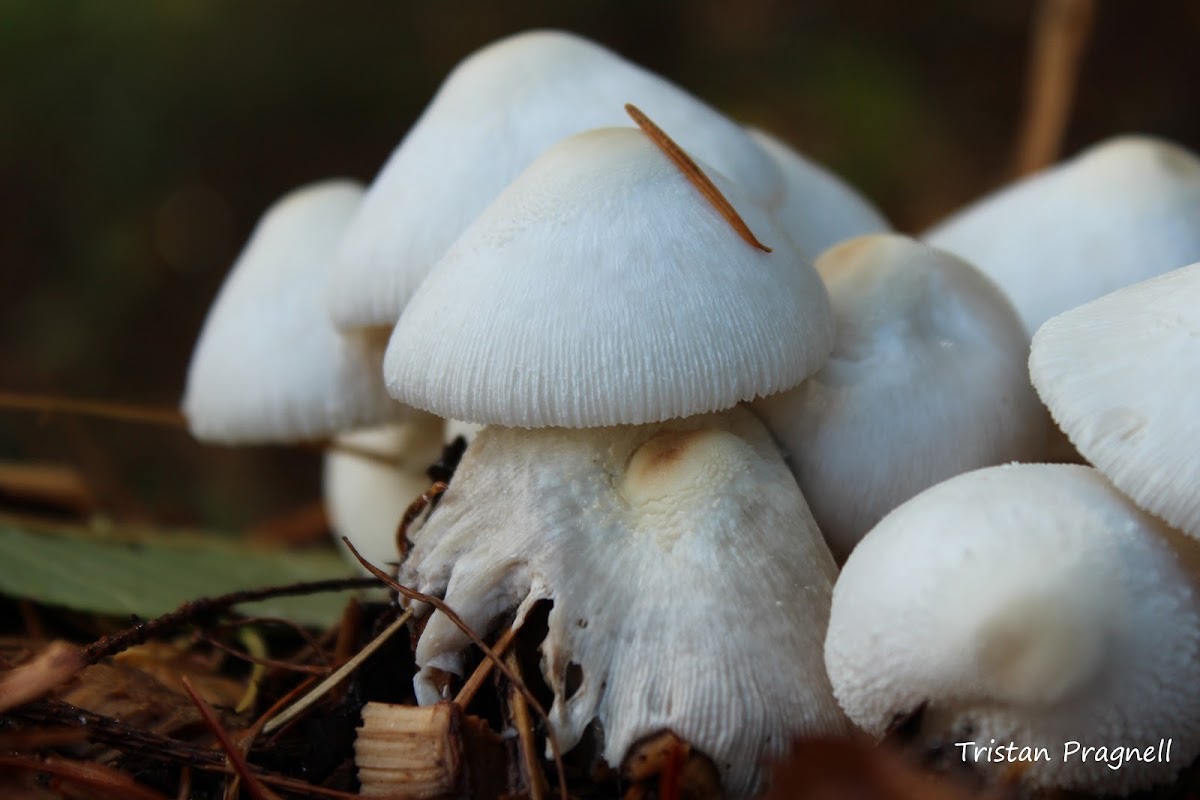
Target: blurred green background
139	141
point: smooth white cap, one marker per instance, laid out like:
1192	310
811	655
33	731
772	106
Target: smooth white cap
818	208
689	583
269	366
602	288
1118	213
1121	376
1028	603
927	379
495	113
366	498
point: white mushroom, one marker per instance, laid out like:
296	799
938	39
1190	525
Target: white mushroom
1121	376
604	288
1029	604
927	380
366	497
818	209
495	113
601	288
268	366
1118	213
689	582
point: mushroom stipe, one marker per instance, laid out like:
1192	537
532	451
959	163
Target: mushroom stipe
694	174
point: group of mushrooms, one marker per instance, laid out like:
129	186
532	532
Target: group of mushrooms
686	427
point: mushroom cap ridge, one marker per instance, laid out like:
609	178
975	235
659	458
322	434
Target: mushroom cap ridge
601	288
494	114
1121	375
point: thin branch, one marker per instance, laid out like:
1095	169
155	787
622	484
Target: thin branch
286	666
472	685
121	412
61	661
253	786
296	691
1061	29
298	630
90	774
528	743
339	675
206	606
161	416
114	733
147	744
691	170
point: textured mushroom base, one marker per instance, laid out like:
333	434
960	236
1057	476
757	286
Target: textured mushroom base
690	585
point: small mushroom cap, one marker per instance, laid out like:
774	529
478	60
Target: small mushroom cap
1121	376
927	380
689	584
268	366
1030	603
602	288
495	113
1118	213
818	208
366	498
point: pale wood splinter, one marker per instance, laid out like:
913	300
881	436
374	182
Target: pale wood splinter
694	174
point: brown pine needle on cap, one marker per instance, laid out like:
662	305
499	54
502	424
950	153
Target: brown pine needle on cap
694	174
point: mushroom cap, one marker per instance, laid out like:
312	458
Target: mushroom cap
1030	603
365	498
927	380
268	366
689	584
818	208
602	288
496	112
1120	375
1120	212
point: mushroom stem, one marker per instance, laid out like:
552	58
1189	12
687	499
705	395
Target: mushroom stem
695	175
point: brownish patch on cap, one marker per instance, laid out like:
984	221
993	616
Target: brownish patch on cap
683	465
842	256
661	453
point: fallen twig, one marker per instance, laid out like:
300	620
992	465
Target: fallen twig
339	675
1061	30
236	759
